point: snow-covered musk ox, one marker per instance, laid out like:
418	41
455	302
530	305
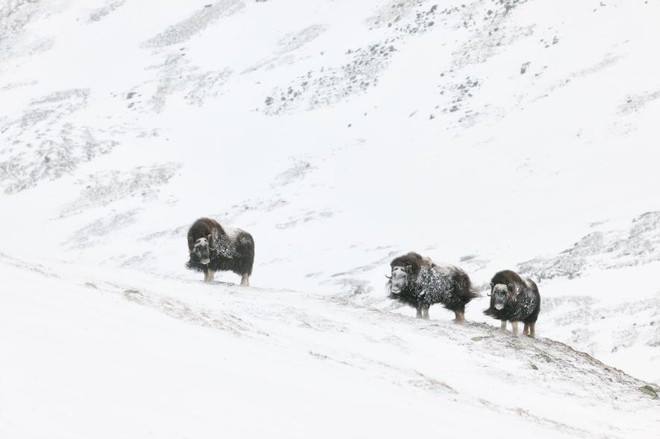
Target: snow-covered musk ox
420	283
516	300
213	248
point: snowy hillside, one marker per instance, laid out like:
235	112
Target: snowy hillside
134	355
488	134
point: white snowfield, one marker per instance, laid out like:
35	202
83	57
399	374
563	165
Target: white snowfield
133	355
487	134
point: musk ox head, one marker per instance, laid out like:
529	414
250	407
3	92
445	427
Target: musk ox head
201	251
500	294
400	278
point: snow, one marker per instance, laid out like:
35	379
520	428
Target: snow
175	358
488	135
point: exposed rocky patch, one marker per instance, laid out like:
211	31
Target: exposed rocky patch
104	188
490	30
175	75
196	23
193	315
29	266
591	323
15	15
47	141
461	92
608	61
102	12
88	235
331	84
294	174
405	17
326	86
288	47
398	21
639	244
393	12
635	103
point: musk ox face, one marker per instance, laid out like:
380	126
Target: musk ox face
201	251
500	294
400	278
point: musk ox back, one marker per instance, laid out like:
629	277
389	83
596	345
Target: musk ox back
212	248
516	300
420	283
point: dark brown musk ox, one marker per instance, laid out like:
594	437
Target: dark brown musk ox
212	248
515	300
419	282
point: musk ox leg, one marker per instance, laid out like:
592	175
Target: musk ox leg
503	326
208	275
423	312
526	329
460	317
532	332
514	329
245	280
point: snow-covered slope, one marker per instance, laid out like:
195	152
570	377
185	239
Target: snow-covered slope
488	134
134	355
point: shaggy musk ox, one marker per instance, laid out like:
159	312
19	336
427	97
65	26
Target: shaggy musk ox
515	300
213	249
420	283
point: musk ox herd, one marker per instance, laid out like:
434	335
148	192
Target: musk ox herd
414	279
419	282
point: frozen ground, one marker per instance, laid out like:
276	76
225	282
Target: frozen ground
487	134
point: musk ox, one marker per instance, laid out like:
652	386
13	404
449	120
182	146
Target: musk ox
212	248
515	300
420	283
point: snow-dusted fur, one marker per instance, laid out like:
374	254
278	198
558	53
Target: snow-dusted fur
420	283
212	248
514	299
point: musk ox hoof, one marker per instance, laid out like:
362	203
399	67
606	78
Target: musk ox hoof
460	318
